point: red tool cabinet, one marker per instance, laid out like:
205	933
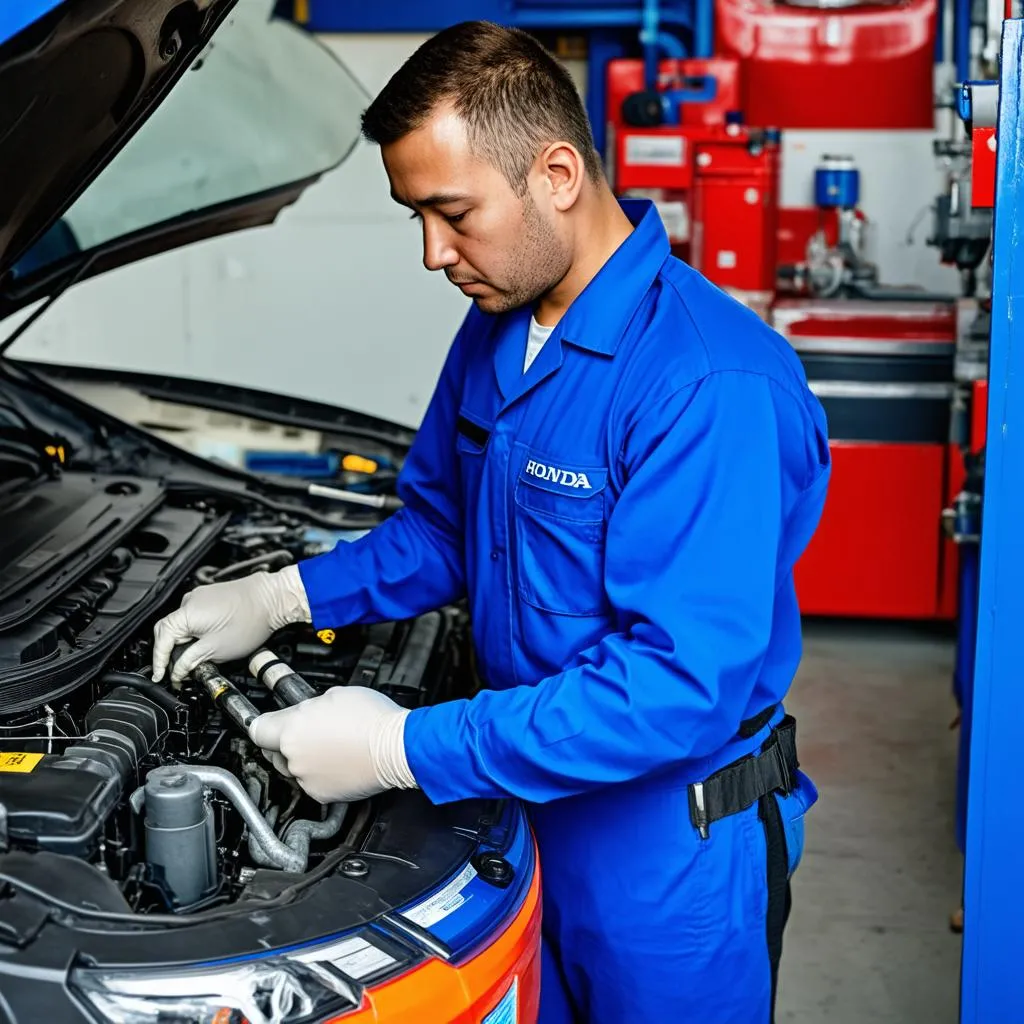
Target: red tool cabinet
884	373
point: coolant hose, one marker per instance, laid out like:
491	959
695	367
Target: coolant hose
300	833
154	691
278	854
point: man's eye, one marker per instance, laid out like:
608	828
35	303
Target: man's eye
455	218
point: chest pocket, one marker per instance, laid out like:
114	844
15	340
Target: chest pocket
470	445
560	537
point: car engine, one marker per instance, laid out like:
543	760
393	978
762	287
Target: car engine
158	787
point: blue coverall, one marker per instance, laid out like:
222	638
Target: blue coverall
624	517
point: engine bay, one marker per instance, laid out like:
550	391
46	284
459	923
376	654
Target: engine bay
158	788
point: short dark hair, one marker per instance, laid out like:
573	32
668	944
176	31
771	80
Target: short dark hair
513	95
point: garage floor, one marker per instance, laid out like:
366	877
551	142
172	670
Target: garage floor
868	939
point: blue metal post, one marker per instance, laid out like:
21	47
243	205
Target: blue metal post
962	39
649	43
992	983
704	28
602	46
940	31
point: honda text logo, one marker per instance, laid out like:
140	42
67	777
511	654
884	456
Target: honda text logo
562	477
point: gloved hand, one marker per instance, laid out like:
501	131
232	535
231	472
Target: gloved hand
229	620
347	744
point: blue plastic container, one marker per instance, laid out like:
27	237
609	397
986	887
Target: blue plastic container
837	183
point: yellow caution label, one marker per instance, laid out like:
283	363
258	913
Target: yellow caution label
56	451
11	762
359	464
327	636
223	688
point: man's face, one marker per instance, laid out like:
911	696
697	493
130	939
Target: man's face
502	249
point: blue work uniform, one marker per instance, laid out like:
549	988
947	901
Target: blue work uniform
624	518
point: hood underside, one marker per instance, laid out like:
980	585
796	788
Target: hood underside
94	157
73	87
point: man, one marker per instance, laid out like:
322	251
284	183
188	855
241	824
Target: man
620	466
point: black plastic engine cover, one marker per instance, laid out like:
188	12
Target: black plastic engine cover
59	806
60	802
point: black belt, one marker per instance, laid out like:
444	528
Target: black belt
741	784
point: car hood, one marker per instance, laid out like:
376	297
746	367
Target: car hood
131	126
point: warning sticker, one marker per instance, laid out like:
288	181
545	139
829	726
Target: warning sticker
441	904
655	150
19	762
507	1011
356	957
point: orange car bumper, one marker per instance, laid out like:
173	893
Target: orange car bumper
441	993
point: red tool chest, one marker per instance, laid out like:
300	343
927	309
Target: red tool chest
884	373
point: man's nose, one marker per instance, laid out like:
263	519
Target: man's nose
438	252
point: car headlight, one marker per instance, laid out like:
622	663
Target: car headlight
311	984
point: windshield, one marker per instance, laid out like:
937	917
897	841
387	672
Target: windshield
265	105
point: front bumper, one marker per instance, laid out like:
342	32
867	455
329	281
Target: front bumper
468	992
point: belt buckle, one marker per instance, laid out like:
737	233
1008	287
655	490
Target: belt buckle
787	775
700	815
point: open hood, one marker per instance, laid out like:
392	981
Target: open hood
130	126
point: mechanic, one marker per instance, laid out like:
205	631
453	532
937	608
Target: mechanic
620	466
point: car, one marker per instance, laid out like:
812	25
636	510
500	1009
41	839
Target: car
154	866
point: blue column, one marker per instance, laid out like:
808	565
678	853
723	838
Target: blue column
962	39
704	28
602	46
992	983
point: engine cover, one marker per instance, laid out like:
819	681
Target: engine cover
61	802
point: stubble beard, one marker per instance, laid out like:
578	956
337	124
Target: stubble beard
537	265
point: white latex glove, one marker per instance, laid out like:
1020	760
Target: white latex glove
347	744
229	620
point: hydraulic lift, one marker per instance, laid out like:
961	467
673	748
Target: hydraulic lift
992	982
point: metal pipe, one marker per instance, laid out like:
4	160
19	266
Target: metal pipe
220	779
672	46
649	41
353	497
962	39
704	29
256	852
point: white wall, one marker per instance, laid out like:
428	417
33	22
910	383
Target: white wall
331	302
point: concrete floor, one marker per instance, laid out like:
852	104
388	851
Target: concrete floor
868	939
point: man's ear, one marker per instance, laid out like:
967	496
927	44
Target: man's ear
562	171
